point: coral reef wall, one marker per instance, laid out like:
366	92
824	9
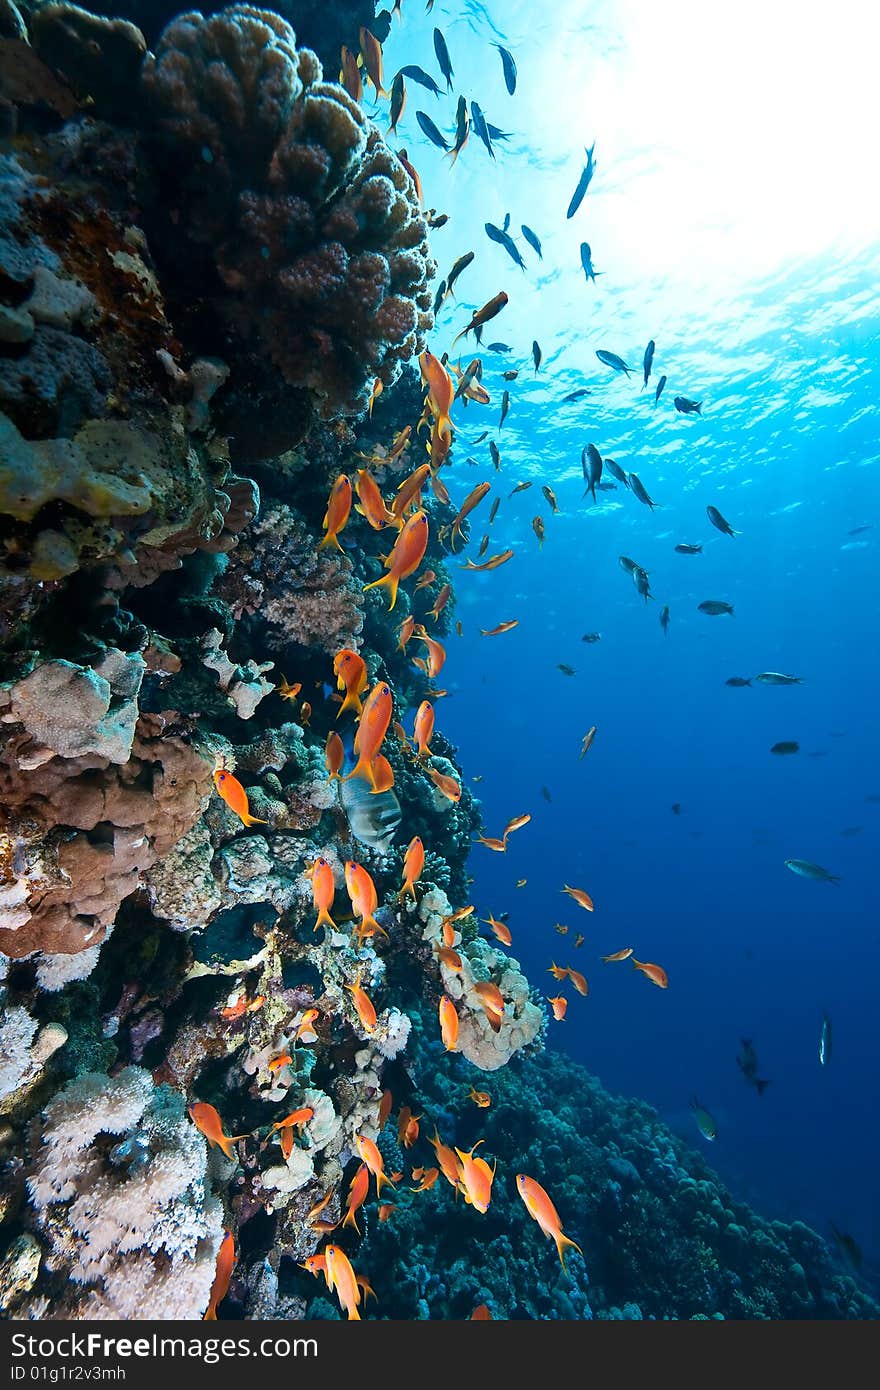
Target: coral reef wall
209	261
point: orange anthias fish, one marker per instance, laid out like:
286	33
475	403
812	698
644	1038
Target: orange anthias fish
559	972
371	52
305	1024
481	1314
276	1064
413	863
491	564
365	1287
222	1276
383	774
436	654
655	973
405	632
560	928
424	728
371	731
579	981
357	1195
472	500
364	900
516	824
447	785
375	392
350	671
385	1105
413	173
475	1180
287	1143
235	796
440	602
369	1154
342	1279
320	1205
323	892
423	581
450	958
499	846
296	1117
207	1120
492	1000
579	940
363	1005
539	1206
559	1004
386	1211
480	1098
334	755
581	897
409	492
338	511
500	929
408	1131
502	627
441	391
286	690
427	1179
305	713
350	74
448	1024
372	503
449	1164
407	555
619	955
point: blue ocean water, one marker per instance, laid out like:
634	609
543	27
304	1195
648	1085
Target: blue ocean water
730	221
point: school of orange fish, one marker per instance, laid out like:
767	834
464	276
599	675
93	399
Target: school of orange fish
444	383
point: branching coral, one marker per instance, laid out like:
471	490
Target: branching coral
119	1184
280	182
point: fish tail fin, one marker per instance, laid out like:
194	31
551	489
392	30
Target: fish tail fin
331	538
760	1085
383	1178
563	1243
353	1314
351	701
210	1316
362	768
391	580
351	1221
324	920
248	819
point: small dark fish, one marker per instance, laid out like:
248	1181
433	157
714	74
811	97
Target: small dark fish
786	747
704	1121
738	682
497	134
431	131
478	121
511	375
611	359
494	512
687	407
591	466
509	67
498	347
460	265
685	549
435	223
496	457
719	522
659	392
484	546
592	637
505	406
566	670
550	498
480	438
398	101
675	808
439	297
443	58
546	795
583	182
576	395
715	607
520	487
777	678
642	583
587	262
747	1061
480	317
628	565
617	472
647	361
825	1041
857	530
419	75
533	240
496	234
462	128
537	355
638	490
664	620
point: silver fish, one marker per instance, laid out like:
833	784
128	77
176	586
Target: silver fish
804	869
373	817
611	359
825	1041
777	678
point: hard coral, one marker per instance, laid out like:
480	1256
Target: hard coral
278	180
